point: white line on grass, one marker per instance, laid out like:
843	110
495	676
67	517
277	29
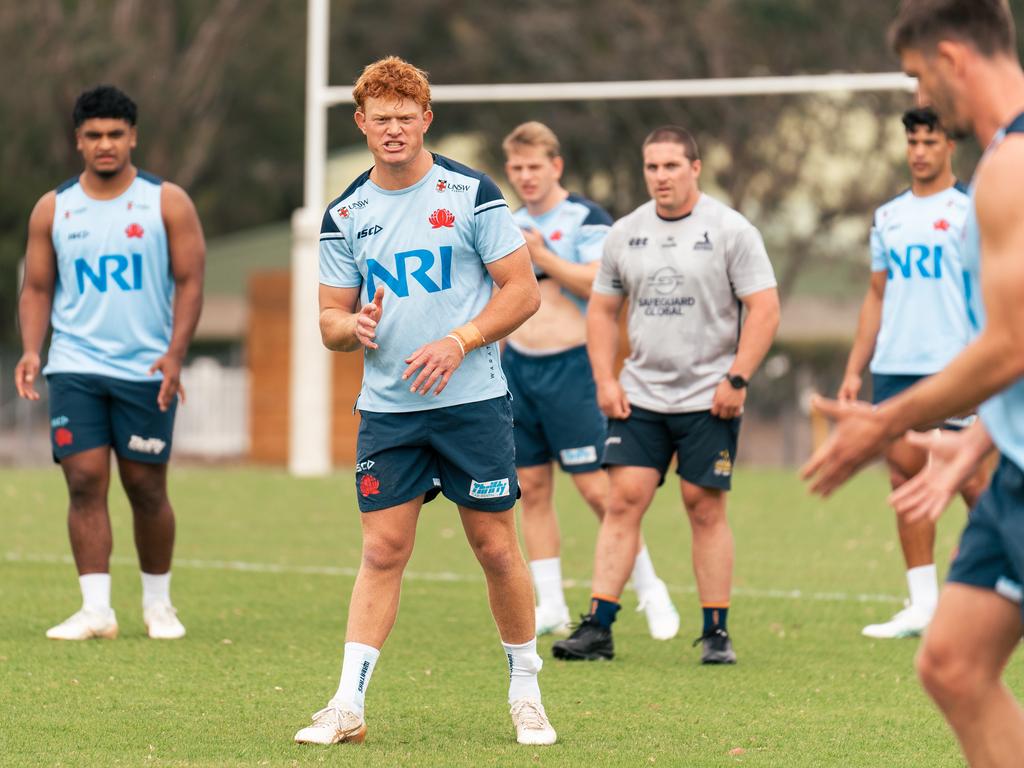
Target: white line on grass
331	570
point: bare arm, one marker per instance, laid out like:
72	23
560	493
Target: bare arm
759	327
575	278
867	333
602	347
187	250
338	318
36	294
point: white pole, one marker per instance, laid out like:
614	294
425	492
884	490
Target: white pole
309	439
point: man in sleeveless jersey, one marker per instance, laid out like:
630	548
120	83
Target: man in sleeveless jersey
114	263
689	266
912	323
964	54
554	402
421	242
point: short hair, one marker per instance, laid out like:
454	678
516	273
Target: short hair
675	135
987	25
921	116
104	101
395	78
532	134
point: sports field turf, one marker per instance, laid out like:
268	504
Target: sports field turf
265	565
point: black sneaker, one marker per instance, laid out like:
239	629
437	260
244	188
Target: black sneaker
589	641
717	647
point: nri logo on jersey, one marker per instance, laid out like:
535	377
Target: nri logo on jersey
416	264
115	268
927	261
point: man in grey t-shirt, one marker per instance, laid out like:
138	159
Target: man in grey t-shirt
689	266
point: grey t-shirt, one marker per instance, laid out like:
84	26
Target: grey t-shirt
683	279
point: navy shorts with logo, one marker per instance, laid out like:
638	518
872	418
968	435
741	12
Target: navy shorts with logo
705	444
991	552
554	402
464	451
88	411
887	385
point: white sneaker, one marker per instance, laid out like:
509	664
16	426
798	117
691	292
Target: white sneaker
662	616
910	622
334	724
162	622
552	620
85	624
531	722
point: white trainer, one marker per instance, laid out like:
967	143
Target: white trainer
552	620
532	724
334	724
86	624
910	622
662	616
161	620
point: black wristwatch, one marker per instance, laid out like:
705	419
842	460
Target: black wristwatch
737	381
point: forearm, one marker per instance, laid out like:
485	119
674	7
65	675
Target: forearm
34	317
756	338
188	304
510	306
867	334
602	343
575	278
338	330
987	366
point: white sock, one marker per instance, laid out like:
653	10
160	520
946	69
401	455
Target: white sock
356	668
156	588
643	575
523	666
95	591
547	581
923	583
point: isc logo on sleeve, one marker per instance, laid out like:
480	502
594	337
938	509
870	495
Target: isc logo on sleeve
489	489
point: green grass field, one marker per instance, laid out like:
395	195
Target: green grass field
265	566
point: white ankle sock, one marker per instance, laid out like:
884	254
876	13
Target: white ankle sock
643	575
356	668
95	591
547	581
156	588
523	666
923	583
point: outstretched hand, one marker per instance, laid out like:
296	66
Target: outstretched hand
438	361
368	318
860	434
926	495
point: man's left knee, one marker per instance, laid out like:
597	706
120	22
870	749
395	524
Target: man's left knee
147	492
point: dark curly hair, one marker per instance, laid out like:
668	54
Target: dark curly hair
104	101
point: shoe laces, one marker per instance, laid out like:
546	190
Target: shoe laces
162	611
529	714
711	634
336	717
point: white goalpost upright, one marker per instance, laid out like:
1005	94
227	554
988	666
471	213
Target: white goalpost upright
309	440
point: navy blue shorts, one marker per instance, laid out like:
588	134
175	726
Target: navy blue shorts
887	385
554	402
705	445
991	553
464	451
88	411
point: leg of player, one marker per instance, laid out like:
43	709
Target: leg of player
917	541
543	547
652	594
88	477
961	662
153	519
388	537
713	553
632	489
492	536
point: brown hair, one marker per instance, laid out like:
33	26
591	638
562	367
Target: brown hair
532	134
394	78
985	24
675	135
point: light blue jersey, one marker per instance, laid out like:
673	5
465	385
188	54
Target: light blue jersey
574	230
428	246
112	304
1003	413
917	241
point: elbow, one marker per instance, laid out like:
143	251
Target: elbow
531	300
